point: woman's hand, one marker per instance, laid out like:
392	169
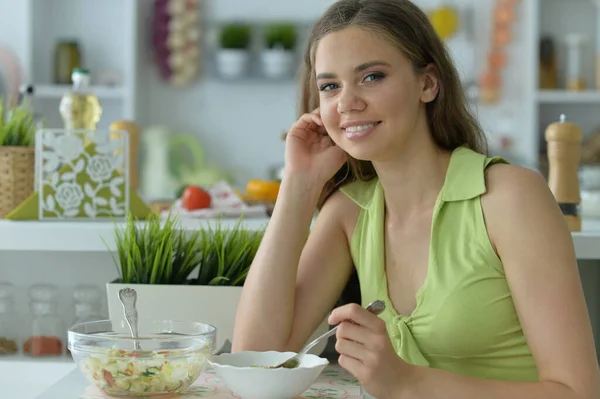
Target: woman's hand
310	151
366	351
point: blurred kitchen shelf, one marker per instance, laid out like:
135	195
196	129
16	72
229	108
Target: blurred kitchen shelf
57	91
82	236
113	50
568	97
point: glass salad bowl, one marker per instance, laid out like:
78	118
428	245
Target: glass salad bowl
173	354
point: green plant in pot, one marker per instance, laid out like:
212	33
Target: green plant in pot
182	274
17	156
280	42
162	252
234	49
17	127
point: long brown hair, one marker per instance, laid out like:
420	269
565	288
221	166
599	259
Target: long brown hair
406	25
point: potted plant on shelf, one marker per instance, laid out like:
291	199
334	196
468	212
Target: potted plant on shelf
17	156
278	55
233	54
184	275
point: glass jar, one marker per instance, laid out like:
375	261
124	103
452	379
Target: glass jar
8	321
47	330
87	300
88	303
589	182
67	57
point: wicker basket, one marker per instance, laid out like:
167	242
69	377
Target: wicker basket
17	174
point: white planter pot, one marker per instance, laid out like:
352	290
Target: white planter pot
277	63
206	304
232	63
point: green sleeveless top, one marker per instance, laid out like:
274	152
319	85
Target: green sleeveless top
465	320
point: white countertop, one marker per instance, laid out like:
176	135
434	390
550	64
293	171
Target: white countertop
27	379
71	386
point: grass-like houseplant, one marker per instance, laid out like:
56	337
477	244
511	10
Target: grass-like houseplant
233	54
162	252
280	42
17	156
183	274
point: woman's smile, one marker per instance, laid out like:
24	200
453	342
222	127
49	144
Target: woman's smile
358	130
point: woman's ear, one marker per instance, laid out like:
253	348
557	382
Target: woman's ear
429	83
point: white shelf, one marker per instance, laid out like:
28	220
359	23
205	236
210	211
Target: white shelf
99	236
57	91
82	236
568	97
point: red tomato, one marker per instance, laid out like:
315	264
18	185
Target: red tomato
195	197
108	378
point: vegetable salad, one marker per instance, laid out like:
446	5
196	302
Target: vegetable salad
119	372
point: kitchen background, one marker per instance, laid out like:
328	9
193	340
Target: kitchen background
225	126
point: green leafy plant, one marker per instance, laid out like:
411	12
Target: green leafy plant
281	35
159	251
235	36
17	128
226	255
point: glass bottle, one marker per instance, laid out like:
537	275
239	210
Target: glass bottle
47	329
8	321
80	107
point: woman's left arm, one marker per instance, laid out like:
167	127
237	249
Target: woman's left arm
531	238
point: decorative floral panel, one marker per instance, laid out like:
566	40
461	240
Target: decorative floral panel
82	174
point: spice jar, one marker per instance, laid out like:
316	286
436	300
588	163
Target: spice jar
67	56
47	329
8	320
88	305
87	302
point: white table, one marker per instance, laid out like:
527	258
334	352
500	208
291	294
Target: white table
69	387
74	385
26	379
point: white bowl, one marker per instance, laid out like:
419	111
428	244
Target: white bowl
242	373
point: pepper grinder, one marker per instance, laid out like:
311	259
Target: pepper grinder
564	152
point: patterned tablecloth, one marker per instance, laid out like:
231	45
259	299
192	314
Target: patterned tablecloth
333	383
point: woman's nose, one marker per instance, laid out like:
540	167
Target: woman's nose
350	101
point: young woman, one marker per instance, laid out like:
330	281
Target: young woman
471	255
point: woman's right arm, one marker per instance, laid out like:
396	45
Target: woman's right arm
296	277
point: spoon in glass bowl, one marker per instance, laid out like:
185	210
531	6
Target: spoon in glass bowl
128	297
376	307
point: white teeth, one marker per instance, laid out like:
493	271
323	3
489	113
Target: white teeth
354	129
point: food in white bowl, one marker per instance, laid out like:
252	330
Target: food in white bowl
248	374
173	355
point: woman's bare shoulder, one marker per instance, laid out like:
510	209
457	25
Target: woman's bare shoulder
342	209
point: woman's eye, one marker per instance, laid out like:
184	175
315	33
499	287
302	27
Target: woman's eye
328	87
374	77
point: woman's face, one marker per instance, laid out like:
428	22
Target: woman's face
371	100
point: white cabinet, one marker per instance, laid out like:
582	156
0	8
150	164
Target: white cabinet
106	32
557	19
